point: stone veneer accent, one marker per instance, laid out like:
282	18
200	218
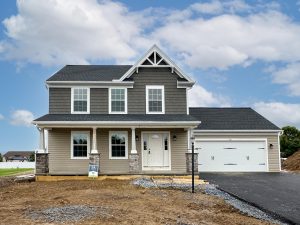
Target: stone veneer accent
41	163
134	163
95	160
189	162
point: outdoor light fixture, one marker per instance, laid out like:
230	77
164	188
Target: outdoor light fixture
271	146
136	137
174	137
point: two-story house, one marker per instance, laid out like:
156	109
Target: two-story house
135	119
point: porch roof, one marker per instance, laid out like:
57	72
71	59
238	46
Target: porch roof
118	119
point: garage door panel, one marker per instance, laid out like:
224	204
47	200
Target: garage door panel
232	155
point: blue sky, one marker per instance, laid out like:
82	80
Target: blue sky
241	53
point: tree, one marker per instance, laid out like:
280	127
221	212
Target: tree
31	157
1	158
289	141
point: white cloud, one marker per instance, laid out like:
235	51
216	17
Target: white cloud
213	7
282	114
226	40
81	32
75	32
290	76
1	117
21	118
199	96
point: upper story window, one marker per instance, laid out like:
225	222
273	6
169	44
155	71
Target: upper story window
80	100
118	100
155	99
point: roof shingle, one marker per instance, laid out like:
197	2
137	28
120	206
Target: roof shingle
231	119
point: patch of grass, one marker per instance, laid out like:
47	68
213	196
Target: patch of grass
8	172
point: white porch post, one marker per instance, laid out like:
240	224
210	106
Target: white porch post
189	140
41	141
94	146
133	145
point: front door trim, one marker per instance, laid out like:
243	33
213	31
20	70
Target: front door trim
142	150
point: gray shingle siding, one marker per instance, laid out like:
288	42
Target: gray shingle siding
59	100
99	101
175	98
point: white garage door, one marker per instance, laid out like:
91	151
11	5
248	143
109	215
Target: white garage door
232	156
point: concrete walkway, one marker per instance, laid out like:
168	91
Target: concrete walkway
276	193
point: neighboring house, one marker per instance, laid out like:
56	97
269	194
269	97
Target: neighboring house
17	156
136	119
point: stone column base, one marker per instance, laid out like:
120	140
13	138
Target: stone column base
41	163
189	162
134	166
95	160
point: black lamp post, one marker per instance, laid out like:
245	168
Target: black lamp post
193	169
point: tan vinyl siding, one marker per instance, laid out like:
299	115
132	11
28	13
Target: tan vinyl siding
60	161
175	98
119	166
59	149
59	100
99	100
272	138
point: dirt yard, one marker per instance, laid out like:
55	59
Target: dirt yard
113	202
292	163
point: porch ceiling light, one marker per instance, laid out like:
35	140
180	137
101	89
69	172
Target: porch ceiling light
174	137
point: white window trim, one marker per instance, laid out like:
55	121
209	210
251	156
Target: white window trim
72	100
126	144
163	98
109	100
88	144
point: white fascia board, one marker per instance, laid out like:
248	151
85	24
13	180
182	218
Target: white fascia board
137	124
185	84
95	84
235	131
164	56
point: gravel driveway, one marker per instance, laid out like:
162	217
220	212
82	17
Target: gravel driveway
278	193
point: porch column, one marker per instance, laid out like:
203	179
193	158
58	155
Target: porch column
94	164
133	144
41	157
94	145
42	141
133	156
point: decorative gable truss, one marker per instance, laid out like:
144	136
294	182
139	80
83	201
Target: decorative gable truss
156	58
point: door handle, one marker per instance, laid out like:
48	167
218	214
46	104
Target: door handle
149	151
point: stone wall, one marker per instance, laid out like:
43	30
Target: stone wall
41	163
134	163
189	162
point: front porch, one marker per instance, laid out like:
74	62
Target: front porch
121	150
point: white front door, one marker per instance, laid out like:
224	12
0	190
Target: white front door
232	155
156	150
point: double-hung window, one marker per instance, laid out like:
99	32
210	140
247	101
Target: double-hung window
118	144
155	99
80	100
118	100
80	144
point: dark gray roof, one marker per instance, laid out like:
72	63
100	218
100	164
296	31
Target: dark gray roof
231	119
116	117
90	73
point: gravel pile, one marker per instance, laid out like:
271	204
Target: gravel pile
211	189
150	183
64	214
